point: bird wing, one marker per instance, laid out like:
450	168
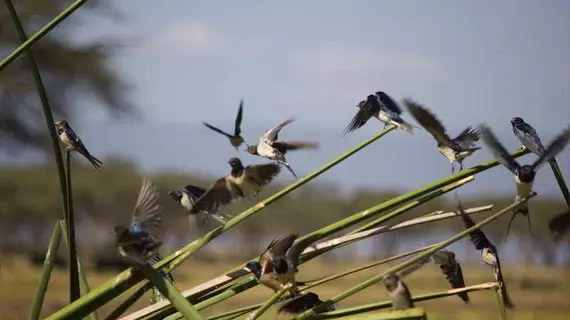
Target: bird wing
477	237
195	191
366	109
284	146
148	210
467	138
263	173
219	194
296	249
300	303
237	127
272	134
428	121
559	224
388	102
412	268
529	138
452	270
553	149
217	130
265	258
497	149
280	247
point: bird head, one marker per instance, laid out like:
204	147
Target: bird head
255	268
391	282
516	121
252	149
175	195
61	124
235	163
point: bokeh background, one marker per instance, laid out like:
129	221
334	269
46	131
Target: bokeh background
137	78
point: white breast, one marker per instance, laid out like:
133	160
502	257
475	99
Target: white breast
186	202
523	189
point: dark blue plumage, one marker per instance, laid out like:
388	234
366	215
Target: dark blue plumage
527	136
187	196
73	143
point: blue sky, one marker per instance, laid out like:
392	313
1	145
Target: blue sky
468	61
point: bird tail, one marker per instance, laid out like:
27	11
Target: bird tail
286	164
402	124
199	219
94	161
219	217
520	209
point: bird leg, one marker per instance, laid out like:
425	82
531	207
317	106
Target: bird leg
461	166
509	225
452	167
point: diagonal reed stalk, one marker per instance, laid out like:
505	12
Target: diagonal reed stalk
27	43
128	278
164	309
264	307
407	314
155	312
51	254
125	305
388	303
407	263
170	292
73	275
501	302
560	179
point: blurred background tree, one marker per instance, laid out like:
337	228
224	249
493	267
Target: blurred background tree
72	71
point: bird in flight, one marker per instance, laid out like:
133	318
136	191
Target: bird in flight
271	147
382	107
241	183
187	196
523	175
73	143
236	139
277	265
456	149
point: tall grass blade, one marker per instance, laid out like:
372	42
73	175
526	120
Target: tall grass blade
560	179
70	235
51	254
125	305
268	303
73	282
27	43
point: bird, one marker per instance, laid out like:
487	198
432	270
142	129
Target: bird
489	253
73	143
271	148
303	303
187	196
527	136
140	240
382	107
523	175
452	271
456	149
559	225
277	265
236	139
398	292
241	183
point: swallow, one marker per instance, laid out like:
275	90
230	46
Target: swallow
241	183
489	253
271	148
140	240
277	265
382	107
527	136
451	270
398	292
302	303
73	143
559	225
236	139
455	150
524	175
187	196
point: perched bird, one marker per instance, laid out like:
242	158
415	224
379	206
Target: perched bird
524	175
302	303
398	292
382	107
236	139
559	225
140	241
187	196
452	271
489	253
527	136
242	182
456	149
73	143
277	265
271	148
